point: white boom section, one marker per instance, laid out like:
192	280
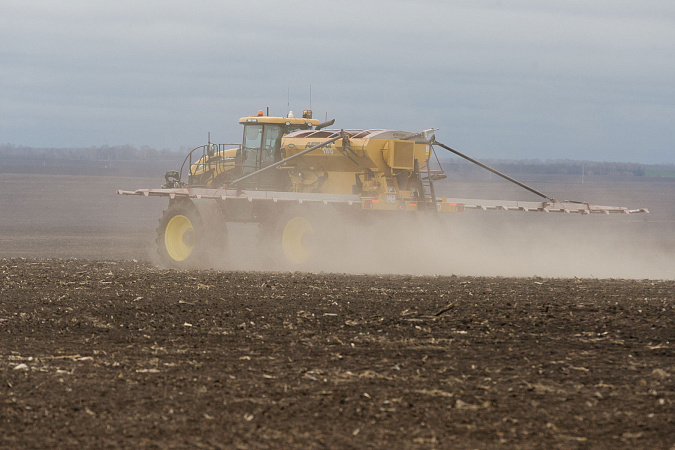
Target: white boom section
353	199
223	194
563	207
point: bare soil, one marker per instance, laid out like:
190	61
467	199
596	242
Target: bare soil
119	354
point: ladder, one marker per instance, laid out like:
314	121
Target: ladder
427	193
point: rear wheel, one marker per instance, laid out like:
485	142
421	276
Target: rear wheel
301	237
297	235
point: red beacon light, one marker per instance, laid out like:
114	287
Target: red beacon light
260	113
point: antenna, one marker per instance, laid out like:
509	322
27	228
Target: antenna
289	99
310	96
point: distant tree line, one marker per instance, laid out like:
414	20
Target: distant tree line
102	153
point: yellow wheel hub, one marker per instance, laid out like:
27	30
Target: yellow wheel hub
179	238
293	240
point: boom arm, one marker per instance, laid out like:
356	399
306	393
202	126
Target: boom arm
551	205
433	141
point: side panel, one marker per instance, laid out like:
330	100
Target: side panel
402	155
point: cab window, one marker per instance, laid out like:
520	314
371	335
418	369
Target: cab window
271	143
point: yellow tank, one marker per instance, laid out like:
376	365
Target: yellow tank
372	163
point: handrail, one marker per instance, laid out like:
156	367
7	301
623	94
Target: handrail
205	165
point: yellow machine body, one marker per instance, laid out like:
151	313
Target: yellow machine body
387	169
373	163
381	166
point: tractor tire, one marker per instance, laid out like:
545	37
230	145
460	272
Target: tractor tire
191	237
301	238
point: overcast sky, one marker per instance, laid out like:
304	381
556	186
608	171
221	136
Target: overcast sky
523	79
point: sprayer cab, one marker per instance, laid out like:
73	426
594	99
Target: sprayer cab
217	164
261	143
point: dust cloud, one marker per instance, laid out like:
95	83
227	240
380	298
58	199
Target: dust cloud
58	216
504	243
489	244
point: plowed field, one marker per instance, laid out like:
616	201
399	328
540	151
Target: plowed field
108	354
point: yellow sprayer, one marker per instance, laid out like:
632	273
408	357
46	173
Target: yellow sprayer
296	179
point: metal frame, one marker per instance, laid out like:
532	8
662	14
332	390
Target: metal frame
568	207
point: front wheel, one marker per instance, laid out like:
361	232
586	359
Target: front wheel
188	238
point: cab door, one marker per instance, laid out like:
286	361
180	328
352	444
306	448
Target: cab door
260	148
271	143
